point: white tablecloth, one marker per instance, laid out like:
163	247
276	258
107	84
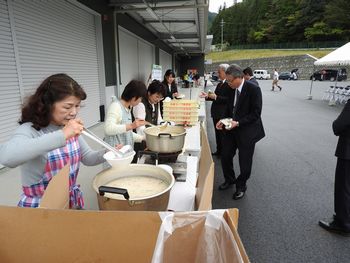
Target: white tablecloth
182	195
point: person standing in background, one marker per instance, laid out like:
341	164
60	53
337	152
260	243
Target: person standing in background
243	132
220	98
248	75
149	107
341	219
119	125
169	83
206	78
275	81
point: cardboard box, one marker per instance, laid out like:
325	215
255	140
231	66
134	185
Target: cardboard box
48	235
205	179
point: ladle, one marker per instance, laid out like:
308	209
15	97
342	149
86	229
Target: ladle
94	137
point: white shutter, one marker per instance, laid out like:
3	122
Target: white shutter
165	60
146	59
10	99
136	57
58	37
128	57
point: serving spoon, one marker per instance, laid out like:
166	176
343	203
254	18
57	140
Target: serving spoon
94	137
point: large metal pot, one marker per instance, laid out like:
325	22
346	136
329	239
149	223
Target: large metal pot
168	139
110	198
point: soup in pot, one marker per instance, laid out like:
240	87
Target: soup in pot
139	186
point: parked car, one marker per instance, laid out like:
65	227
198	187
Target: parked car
285	76
261	74
330	74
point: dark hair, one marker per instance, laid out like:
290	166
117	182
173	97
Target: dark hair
196	76
157	87
39	106
168	73
248	71
134	89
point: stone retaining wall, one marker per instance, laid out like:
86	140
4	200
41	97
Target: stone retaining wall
305	64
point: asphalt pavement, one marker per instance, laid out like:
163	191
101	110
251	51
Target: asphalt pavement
292	180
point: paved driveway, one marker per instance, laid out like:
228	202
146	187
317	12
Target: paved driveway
291	185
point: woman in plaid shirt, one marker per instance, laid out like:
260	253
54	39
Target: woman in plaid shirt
48	138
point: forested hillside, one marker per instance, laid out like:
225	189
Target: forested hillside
211	17
278	21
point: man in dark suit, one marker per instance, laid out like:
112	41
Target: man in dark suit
243	131
341	220
218	107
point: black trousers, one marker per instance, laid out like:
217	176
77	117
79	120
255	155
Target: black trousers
230	145
342	193
218	136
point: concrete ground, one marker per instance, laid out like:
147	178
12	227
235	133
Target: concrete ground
291	186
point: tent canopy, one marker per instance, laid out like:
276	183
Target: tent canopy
339	57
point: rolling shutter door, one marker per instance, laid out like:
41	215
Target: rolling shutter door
146	55
165	60
58	37
128	58
10	98
136	57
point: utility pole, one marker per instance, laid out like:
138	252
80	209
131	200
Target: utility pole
222	32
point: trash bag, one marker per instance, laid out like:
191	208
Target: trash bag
198	237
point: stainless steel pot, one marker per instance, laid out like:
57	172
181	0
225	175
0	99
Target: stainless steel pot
165	140
109	198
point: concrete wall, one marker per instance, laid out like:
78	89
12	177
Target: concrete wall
303	62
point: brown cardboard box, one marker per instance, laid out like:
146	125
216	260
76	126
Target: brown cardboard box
48	235
205	180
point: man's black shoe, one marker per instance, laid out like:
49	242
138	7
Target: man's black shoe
334	227
225	186
238	194
216	153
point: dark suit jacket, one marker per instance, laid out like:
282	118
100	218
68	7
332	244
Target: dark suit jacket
248	114
218	107
254	81
341	128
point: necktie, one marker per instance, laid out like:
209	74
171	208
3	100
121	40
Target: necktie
235	102
236	97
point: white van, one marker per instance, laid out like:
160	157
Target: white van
261	74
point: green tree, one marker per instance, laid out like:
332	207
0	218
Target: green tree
276	21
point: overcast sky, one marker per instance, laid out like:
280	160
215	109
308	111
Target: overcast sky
215	4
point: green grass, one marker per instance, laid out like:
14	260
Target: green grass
263	53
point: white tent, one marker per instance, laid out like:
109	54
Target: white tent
339	57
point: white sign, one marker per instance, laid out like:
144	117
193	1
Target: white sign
157	72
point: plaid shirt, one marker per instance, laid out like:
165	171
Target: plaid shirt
56	160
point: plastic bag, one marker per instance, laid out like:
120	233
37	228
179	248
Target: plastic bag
198	237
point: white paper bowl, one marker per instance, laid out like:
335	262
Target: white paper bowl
115	161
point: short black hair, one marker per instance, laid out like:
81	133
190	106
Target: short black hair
248	71
134	89
157	87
